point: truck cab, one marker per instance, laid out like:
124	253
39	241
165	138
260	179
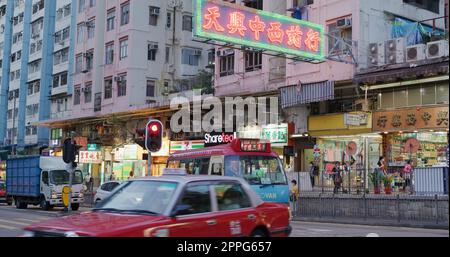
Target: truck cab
39	180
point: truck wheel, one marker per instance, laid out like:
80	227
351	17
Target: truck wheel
44	204
9	201
21	205
259	233
75	206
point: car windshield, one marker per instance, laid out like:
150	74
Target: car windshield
146	197
257	170
61	177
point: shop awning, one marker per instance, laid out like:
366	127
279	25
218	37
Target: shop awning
306	93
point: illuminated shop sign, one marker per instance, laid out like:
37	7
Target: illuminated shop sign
214	138
241	25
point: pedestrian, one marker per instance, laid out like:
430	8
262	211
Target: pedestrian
337	177
407	176
312	173
87	181
111	178
381	166
131	175
293	196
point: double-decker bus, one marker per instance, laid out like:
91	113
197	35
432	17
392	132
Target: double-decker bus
250	159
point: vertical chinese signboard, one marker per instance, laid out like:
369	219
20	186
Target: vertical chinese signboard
241	25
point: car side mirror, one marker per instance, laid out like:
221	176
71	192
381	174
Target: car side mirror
182	209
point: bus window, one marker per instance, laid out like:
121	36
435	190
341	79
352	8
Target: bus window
217	169
257	170
174	164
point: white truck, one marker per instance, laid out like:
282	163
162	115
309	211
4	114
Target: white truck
40	180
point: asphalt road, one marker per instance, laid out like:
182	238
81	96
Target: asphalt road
12	221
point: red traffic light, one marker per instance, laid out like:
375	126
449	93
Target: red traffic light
153	139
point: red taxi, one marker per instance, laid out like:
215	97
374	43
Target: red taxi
2	191
174	206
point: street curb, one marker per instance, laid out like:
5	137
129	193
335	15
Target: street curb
372	222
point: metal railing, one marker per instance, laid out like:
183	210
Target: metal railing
411	210
423	181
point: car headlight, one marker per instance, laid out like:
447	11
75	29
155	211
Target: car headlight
28	234
54	196
71	234
81	195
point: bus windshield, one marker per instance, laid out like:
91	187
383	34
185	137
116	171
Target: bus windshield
257	170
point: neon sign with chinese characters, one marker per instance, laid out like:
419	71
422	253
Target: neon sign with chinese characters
245	26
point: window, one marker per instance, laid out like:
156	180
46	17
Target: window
430	5
34	87
61	56
80	33
122	85
77	95
190	56
123	48
150	92
187	22
89	60
256	4
109	52
169	20
231	197
226	65
412	96
36	27
428	95
91	3
125	14
34	67
91	28
338	47
167	59
88	92
253	61
198	198
30	89
152	48
442	94
108	88
81	6
60	79
56	134
153	17
79	63
110	20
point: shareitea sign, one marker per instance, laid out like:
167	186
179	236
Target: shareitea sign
215	138
246	26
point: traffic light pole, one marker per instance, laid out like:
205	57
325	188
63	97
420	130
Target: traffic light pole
70	180
149	170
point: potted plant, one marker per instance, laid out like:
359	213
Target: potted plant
387	181
375	179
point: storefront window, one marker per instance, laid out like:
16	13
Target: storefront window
424	149
442	94
414	96
387	100
428	95
401	98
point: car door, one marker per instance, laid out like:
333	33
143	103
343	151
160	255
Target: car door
192	216
235	214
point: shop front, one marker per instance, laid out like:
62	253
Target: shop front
278	135
346	139
416	134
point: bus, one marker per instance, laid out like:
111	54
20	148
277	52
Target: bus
250	159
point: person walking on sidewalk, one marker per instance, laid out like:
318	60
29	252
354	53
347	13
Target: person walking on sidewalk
337	177
293	196
313	172
407	176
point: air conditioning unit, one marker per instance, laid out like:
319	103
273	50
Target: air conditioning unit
415	53
198	52
154	46
395	51
376	54
154	11
344	23
62	43
119	79
437	49
86	90
35	35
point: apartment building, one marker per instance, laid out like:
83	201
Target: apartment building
31	65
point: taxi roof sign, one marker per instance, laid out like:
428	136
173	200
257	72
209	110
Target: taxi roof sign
174	172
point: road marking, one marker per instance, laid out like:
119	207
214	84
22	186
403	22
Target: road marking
373	235
28	220
8	227
319	230
15	222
